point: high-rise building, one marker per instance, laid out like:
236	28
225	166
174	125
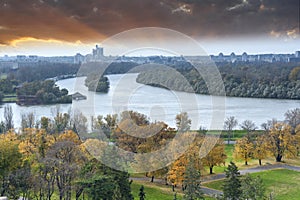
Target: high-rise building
98	53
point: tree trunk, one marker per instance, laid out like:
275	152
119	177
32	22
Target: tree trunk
278	158
173	188
228	138
259	160
246	162
152	179
210	170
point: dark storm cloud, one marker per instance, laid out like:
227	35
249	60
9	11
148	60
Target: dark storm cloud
85	20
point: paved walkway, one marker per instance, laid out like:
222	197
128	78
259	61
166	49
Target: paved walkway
213	192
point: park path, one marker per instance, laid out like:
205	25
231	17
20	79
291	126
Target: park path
213	192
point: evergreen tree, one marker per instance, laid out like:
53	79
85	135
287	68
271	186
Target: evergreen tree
192	183
252	188
232	185
142	194
175	196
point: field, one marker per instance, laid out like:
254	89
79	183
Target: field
153	192
282	183
10	98
156	192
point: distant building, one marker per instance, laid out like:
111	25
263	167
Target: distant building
78	58
21	58
232	57
297	54
244	57
98	53
77	96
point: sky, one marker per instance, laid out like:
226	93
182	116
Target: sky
65	27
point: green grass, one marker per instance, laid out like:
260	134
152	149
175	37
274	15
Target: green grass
156	192
9	98
153	192
283	183
3	76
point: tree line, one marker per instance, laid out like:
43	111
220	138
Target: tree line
42	92
259	80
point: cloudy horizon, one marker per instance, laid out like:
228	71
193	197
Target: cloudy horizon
65	27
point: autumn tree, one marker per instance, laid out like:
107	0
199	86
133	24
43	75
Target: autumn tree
280	142
178	167
176	171
229	125
34	144
243	149
213	152
260	148
232	184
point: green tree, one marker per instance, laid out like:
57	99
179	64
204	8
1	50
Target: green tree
1	97
232	184
142	194
252	188
101	182
191	183
10	160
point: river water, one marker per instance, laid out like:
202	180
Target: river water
159	104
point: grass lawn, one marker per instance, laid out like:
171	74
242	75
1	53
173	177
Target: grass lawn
153	192
156	192
9	98
283	183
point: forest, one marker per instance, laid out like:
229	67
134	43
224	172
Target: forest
42	92
255	79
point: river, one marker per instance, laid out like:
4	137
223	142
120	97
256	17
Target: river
159	104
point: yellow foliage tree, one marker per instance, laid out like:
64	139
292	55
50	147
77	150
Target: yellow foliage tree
10	157
213	152
280	142
176	171
69	136
260	148
34	144
243	149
